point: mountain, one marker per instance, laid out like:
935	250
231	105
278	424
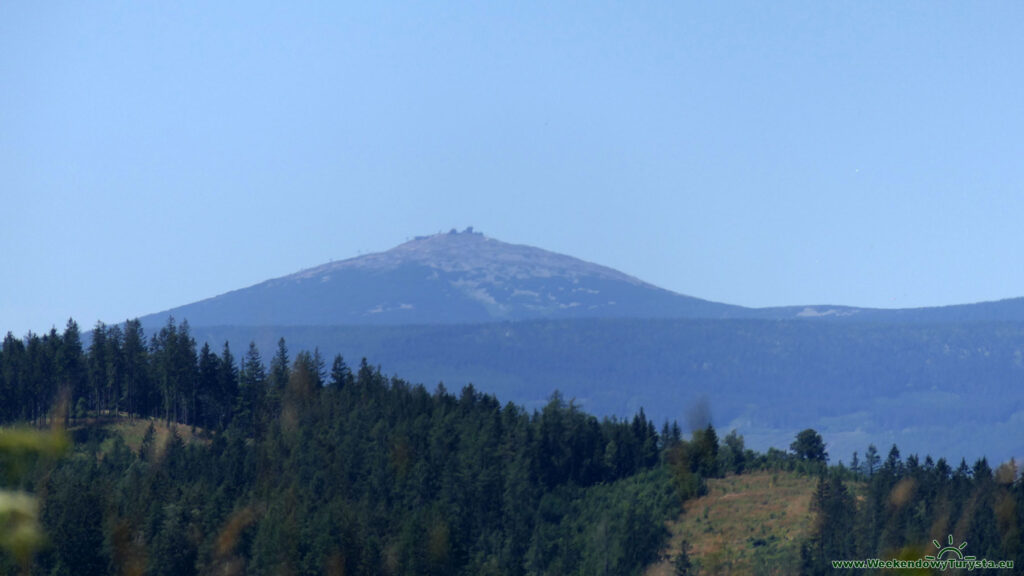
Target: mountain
466	277
444	279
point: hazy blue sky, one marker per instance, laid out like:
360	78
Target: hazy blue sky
757	153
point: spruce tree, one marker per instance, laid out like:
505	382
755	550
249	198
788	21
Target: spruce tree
251	392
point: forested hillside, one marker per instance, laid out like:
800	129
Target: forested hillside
306	470
295	466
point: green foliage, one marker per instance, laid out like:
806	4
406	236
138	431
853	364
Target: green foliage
809	446
21	535
686	477
73	515
732	457
836	512
613	528
704	453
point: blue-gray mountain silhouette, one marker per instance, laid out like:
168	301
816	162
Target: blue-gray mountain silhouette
444	279
459	278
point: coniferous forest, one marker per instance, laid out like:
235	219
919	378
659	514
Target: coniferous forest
299	465
894	508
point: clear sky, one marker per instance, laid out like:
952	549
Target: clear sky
761	153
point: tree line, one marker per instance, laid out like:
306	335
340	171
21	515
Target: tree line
121	372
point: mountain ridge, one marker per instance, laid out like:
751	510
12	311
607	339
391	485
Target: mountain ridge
467	277
456	277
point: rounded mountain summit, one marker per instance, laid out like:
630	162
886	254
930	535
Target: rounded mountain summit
457	277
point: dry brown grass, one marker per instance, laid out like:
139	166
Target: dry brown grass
748	524
133	431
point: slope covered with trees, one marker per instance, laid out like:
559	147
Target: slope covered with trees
301	467
895	508
310	470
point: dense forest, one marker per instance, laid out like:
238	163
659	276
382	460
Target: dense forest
297	467
895	508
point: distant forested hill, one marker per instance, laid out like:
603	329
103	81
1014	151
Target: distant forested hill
952	389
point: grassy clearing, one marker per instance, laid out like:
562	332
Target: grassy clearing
132	431
748	524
